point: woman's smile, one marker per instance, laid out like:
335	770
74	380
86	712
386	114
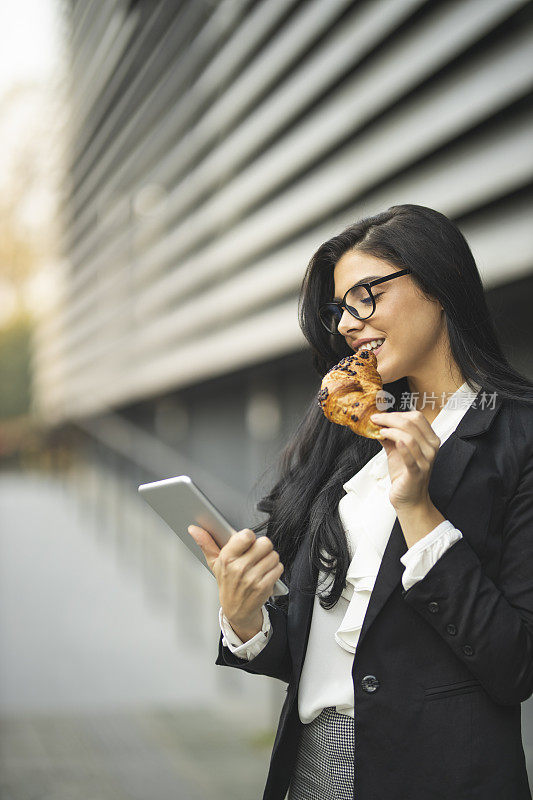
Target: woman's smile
375	350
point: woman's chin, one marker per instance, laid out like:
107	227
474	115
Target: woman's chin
382	369
387	375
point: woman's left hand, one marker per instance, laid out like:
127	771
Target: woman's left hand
411	446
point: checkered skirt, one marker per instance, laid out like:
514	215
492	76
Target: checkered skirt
325	761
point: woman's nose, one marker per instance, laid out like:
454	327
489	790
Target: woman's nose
348	323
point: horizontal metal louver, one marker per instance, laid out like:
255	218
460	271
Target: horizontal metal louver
216	145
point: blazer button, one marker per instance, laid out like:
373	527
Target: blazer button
452	630
467	650
370	683
433	607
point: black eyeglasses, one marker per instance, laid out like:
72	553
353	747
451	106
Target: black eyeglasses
358	301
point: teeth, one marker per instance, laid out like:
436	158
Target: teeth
371	345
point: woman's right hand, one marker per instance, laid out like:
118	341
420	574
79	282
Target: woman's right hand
246	569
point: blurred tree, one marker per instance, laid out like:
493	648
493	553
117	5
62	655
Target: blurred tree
28	186
15	380
29	178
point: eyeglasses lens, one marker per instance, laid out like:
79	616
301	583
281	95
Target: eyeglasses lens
360	305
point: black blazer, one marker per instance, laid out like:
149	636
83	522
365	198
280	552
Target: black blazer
440	670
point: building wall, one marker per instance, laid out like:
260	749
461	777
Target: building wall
214	145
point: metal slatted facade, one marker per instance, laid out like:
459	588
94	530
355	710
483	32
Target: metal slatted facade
215	145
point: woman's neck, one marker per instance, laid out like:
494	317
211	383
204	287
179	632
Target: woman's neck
430	394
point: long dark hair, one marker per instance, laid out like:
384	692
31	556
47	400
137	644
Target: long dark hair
321	456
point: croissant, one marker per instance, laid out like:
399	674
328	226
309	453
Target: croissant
348	393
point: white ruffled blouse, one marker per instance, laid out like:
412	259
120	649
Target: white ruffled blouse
368	518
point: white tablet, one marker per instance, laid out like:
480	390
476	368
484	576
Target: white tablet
181	503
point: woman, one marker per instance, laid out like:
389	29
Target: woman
406	639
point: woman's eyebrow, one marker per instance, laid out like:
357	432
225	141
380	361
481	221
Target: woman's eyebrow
363	280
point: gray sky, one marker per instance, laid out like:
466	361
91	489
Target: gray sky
29	40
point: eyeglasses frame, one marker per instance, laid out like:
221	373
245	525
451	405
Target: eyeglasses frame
367	286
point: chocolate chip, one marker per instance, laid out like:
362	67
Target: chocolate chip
322	396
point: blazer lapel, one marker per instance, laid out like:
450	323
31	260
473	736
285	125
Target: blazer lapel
448	468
